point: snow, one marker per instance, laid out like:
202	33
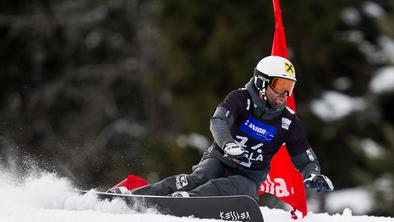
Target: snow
373	9
334	105
387	48
372	149
46	197
384	184
358	199
351	16
194	140
383	81
377	54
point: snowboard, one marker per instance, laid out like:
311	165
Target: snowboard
231	208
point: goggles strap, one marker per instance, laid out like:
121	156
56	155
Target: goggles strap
263	90
261	87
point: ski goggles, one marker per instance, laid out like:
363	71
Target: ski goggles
281	85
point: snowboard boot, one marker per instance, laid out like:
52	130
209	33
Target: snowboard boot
180	194
119	190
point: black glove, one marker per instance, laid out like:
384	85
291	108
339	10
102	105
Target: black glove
319	183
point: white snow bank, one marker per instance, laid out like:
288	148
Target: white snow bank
48	198
278	215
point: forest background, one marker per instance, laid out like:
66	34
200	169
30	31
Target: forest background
97	90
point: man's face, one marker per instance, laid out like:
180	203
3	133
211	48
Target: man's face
276	99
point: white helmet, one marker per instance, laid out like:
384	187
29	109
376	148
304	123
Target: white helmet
276	66
277	72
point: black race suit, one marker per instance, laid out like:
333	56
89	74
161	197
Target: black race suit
244	118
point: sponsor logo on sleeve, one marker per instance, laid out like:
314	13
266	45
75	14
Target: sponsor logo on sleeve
285	123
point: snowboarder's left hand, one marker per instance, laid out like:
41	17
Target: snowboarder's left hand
319	183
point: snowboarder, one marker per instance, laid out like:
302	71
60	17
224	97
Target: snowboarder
248	128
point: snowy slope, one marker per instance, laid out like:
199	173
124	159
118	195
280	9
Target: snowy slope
46	197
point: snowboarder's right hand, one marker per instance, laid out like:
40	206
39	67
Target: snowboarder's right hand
319	183
234	151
